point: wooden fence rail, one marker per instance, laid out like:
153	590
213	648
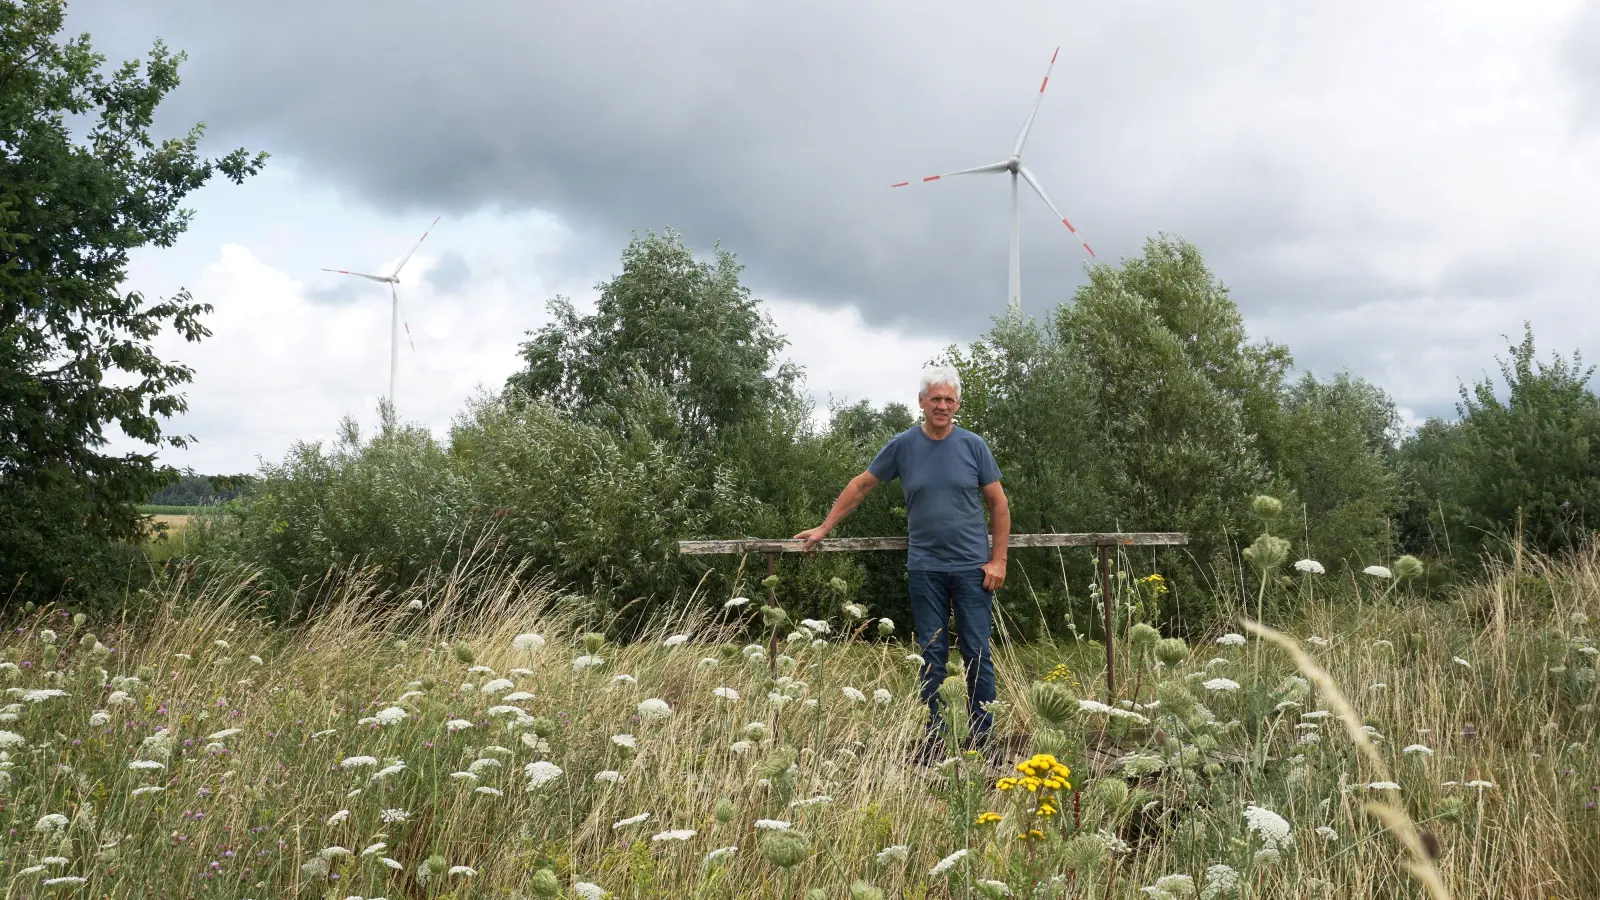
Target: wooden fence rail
1104	542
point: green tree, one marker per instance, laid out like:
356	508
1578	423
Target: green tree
1335	444
1534	455
83	183
667	321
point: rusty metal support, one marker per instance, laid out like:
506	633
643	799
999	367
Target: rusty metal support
1106	602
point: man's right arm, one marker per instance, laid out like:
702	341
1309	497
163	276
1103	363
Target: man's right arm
850	498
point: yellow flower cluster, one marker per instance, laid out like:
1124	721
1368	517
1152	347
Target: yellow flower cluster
1032	834
988	818
1041	772
1063	672
1155	584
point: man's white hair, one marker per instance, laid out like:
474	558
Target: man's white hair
933	376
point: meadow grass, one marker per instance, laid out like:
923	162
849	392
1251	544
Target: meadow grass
454	740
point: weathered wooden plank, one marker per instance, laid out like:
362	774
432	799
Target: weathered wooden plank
841	545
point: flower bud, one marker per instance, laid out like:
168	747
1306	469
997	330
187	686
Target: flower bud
545	885
593	641
463	652
1268	508
885	626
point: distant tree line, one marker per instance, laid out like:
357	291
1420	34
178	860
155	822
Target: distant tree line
189	489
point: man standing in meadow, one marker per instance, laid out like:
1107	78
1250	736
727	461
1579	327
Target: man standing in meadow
949	476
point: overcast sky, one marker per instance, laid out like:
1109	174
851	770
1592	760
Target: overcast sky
1386	187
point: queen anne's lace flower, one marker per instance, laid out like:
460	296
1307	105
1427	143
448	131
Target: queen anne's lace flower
676	640
1378	572
946	864
854	695
654	709
676	834
1309	566
1232	639
725	693
1272	828
630	821
541	773
773	825
1226	685
527	641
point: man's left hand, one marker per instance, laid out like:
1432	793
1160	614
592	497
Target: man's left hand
994	574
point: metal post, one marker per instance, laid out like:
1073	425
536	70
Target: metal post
1106	601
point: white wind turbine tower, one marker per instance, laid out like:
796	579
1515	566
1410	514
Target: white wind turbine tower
395	322
1014	166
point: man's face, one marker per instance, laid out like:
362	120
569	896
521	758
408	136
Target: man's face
939	405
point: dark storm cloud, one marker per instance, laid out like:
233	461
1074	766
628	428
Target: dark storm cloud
776	128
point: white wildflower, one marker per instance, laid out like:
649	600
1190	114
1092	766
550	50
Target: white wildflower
626	741
1316	714
1327	834
773	825
894	853
468	871
338	817
10	739
915	658
148	789
1479	784
1273	829
1232	639
477	766
117	698
740	748
1377	572
720	854
816	626
993	887
393	815
609	776
334	852
146	764
497	686
39	695
1221	684
736	602
489	791
588	890
50	822
1309	566
676	834
1418	748
1383	786
64	879
356	762
1221	880
527	641
391	715
1460	662
224	734
518	696
725	693
946	864
654	709
676	640
1317	641
819	800
854	695
587	661
882	697
541	773
455	725
630	821
371	849
624	678
708	662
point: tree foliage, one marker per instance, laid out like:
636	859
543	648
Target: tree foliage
82	184
1523	454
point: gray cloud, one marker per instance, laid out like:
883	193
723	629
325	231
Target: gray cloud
777	128
450	273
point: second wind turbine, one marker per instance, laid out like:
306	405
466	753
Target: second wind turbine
1014	166
395	322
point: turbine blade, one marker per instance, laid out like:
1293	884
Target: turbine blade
414	249
992	167
1039	189
1022	138
378	278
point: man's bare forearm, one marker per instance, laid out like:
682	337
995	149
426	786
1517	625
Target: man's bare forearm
1000	526
849	499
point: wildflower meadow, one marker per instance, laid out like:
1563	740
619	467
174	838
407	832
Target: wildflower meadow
476	736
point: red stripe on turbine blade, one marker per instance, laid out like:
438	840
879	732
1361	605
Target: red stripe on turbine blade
1054	55
900	184
933	178
1043	83
1091	251
1069	226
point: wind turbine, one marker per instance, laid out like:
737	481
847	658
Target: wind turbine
1014	166
395	322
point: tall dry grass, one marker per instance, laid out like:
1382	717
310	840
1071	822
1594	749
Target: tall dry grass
274	810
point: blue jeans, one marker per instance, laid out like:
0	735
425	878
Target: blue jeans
934	595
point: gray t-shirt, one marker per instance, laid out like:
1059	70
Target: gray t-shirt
944	500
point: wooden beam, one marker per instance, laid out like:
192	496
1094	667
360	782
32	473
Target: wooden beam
841	545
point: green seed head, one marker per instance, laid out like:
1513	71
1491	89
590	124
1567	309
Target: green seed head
785	849
885	627
463	653
771	581
545	885
1268	508
774	616
1053	702
1267	553
862	890
816	894
726	812
839	584
145	673
593	641
1175	698
1084	854
1407	567
79	620
1172	651
1144	636
756	732
428	682
542	726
